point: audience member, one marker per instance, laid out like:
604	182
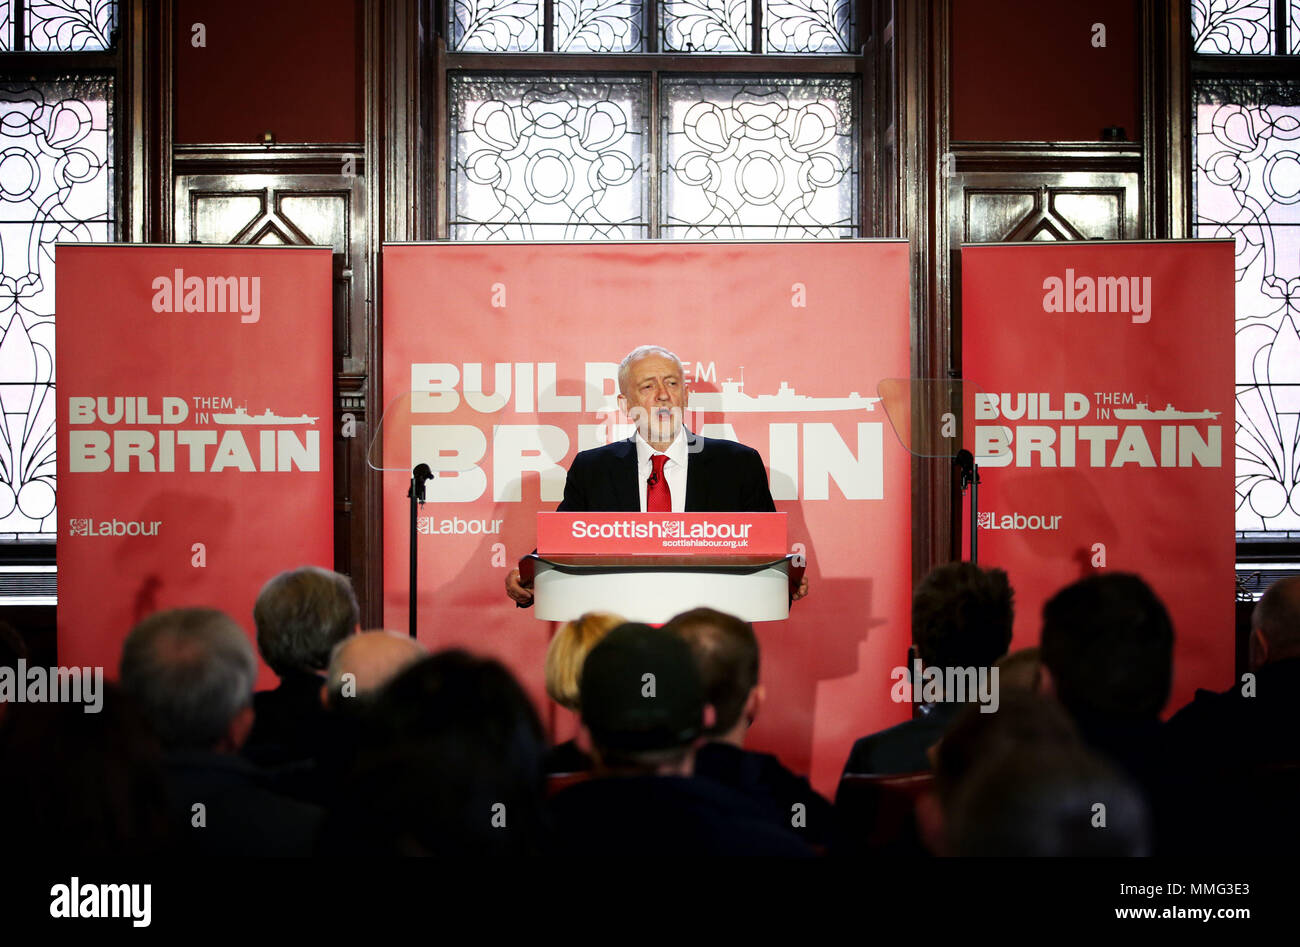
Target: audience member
962	617
1239	750
564	657
727	656
1107	655
643	707
362	664
1021	671
191	673
1054	800
300	617
82	785
454	770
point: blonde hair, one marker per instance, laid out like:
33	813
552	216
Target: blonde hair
569	649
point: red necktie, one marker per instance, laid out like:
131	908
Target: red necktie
657	497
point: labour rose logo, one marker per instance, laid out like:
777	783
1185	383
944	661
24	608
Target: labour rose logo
673	529
985	521
79	527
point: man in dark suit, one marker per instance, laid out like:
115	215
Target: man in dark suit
663	467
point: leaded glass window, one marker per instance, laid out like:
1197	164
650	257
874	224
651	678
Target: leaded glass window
1245	27
57	26
789	27
749	157
557	158
56	185
1246	186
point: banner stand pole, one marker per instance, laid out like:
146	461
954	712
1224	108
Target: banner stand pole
419	476
967	475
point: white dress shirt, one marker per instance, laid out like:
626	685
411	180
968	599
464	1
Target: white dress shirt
674	468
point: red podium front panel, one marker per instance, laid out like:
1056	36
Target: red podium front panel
758	535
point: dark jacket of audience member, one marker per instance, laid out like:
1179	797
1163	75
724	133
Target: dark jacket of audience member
643	704
962	617
191	672
79	785
727	657
453	767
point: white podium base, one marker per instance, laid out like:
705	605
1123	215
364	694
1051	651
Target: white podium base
654	595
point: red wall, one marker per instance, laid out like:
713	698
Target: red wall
1026	70
291	67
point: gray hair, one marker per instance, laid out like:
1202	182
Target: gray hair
640	352
301	615
1277	615
190	670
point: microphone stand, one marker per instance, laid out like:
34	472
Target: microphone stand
969	476
419	477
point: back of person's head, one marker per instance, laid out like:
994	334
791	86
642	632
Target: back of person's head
1108	645
190	671
1055	800
454	767
82	784
1020	670
362	664
1277	620
301	615
569	649
1023	720
962	616
642	699
726	653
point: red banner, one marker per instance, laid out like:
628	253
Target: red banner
512	350
665	534
194	425
1104	428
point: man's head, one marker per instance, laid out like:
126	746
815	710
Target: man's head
1042	801
643	701
191	672
726	653
1275	625
652	392
301	615
962	616
372	659
1108	648
568	651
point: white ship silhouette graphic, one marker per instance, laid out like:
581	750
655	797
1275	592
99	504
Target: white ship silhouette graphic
1169	412
241	416
732	397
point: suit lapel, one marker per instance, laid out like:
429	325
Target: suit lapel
623	476
696	475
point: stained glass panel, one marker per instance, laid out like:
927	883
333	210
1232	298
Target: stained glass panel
599	26
1247	187
496	26
6	26
559	158
70	25
1293	28
760	158
807	26
705	26
56	184
1237	27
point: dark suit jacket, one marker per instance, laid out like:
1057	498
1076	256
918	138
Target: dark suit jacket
902	748
721	477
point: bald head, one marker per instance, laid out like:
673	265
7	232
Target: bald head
1277	623
372	658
